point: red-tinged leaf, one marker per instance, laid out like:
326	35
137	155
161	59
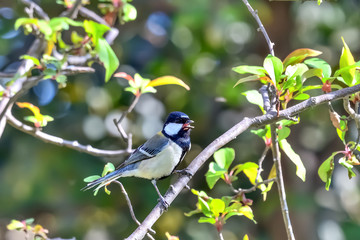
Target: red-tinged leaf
124	75
247	79
31	107
166	80
298	55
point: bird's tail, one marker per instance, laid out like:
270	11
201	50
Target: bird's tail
107	179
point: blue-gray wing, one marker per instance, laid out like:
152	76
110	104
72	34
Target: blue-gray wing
149	149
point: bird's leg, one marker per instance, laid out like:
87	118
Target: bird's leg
184	171
162	200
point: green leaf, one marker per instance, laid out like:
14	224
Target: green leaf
318	63
217	206
193	212
246	237
347	59
62	23
244	69
293	71
61	78
108	168
130	12
15	225
249	168
301	96
283	133
45	28
298	55
207	220
237	209
247	79
274	68
96	30
326	169
254	97
22	21
204	207
107	57
214	174
31	58
348	166
295	158
259	132
224	157
314	72
91	178
32	119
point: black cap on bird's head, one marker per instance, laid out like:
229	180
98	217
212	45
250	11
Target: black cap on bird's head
177	123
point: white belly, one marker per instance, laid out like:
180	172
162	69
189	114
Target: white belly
160	166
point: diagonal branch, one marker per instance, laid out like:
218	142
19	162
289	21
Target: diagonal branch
226	137
62	142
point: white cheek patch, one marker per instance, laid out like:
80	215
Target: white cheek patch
172	128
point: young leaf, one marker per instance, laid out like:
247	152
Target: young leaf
217	206
314	72
107	57
15	225
91	178
33	59
295	158
246	237
301	96
224	157
244	69
293	71
326	169
283	133
347	59
318	63
108	168
348	166
207	220
96	30
254	97
129	12
166	80
214	173
298	55
247	79
273	67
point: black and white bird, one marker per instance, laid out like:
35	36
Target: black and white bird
158	157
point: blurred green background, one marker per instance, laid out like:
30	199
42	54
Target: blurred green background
198	41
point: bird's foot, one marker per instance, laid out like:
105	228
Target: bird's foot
184	171
164	203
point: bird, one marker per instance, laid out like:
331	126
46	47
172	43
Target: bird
158	157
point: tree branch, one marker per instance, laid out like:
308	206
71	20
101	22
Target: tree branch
62	142
261	26
226	137
280	182
39	11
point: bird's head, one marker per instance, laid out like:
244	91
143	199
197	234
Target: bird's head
177	124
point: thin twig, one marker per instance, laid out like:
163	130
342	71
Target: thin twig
261	160
274	139
261	26
253	188
280	182
39	11
131	209
62	142
221	237
225	138
118	122
73	11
